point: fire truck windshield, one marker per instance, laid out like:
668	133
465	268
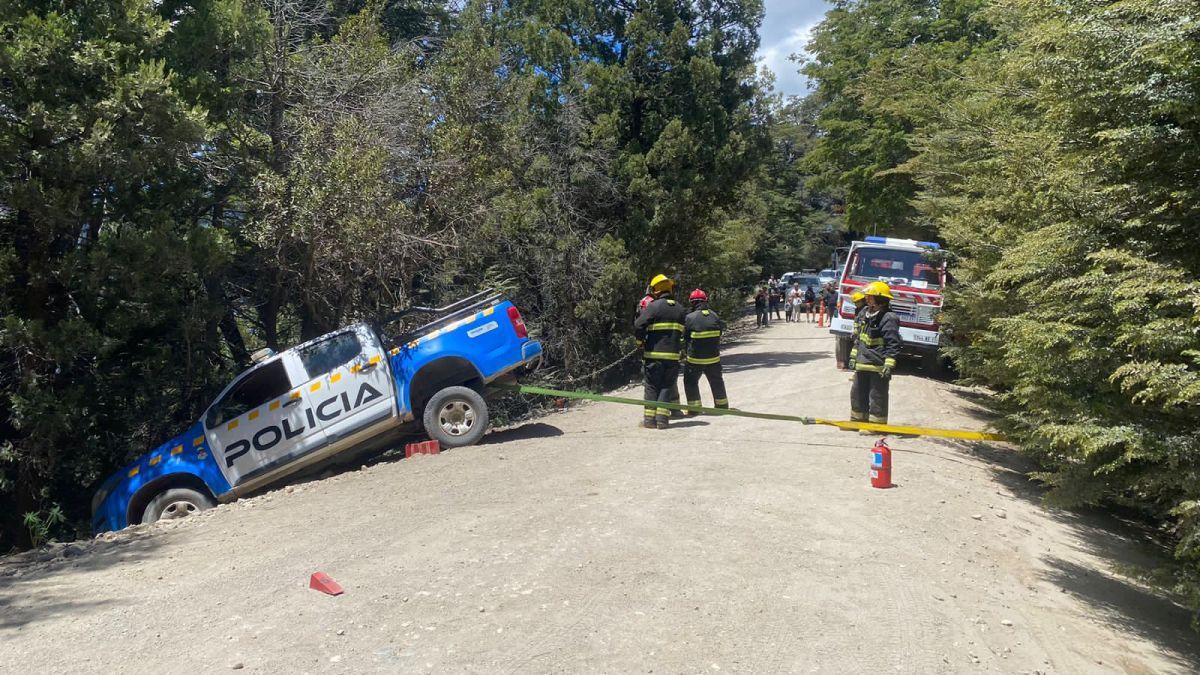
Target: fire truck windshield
902	268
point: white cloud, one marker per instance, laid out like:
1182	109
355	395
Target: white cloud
785	30
774	55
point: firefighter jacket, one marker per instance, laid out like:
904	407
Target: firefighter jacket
876	341
859	313
660	328
702	336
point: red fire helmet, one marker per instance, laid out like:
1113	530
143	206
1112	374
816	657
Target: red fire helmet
698	296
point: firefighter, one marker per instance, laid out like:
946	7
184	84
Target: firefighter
659	329
642	305
876	346
702	344
860	300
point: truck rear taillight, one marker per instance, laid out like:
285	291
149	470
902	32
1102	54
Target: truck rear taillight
518	323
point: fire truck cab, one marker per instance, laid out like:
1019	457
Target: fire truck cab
916	281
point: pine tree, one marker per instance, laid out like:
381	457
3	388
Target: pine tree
102	261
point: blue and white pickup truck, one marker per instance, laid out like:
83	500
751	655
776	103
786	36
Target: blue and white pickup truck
349	391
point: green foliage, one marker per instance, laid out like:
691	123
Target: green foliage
41	525
1051	145
185	181
801	230
103	269
618	142
878	66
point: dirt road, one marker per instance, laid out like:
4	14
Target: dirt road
580	543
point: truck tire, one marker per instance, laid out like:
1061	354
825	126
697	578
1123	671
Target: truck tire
456	417
176	503
843	350
932	364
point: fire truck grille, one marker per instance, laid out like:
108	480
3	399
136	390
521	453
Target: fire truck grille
909	312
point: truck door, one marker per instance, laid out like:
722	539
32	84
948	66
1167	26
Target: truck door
263	421
357	391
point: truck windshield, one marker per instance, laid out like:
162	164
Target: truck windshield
259	386
326	355
902	268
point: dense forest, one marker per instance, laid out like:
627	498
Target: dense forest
1055	147
183	182
186	181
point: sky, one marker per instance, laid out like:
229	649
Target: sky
785	31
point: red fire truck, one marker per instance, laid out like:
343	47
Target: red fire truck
916	279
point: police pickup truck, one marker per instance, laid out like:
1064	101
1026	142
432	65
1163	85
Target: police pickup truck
349	391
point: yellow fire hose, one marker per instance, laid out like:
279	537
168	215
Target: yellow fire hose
897	429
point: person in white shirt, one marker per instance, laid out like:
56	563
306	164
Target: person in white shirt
795	302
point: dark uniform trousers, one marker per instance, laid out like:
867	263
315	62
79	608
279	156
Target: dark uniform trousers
691	383
869	398
660	379
660	327
702	330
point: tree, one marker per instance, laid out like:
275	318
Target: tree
333	213
802	231
880	66
102	261
1057	175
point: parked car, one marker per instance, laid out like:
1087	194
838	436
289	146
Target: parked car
828	276
351	391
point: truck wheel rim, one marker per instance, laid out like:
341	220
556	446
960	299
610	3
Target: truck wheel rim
456	418
179	509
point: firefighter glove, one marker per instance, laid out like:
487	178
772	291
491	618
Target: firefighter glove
886	371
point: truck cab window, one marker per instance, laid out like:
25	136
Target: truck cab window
328	354
264	384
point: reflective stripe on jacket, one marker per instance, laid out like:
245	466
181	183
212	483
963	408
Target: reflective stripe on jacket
660	328
702	336
876	341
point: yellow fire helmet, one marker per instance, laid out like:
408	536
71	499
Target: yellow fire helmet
661	283
878	288
857	297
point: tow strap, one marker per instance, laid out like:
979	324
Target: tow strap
843	425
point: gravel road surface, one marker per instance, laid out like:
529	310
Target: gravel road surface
580	543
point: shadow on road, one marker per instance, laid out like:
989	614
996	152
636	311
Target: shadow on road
981	404
1130	609
522	433
23	602
1131	550
733	363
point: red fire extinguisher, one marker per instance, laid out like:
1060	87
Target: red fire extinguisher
881	464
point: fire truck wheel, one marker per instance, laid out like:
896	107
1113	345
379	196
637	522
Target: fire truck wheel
843	349
176	503
456	417
932	364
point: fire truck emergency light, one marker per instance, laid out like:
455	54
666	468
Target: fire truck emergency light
899	242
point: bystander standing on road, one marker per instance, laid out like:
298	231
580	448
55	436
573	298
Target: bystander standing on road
760	308
829	297
776	299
